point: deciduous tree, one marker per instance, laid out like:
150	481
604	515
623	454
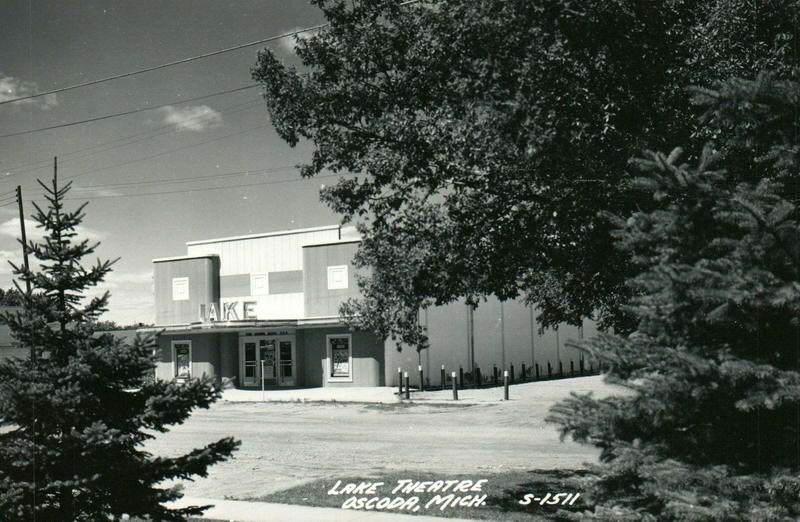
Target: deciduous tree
486	136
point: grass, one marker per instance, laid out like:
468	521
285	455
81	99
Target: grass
503	490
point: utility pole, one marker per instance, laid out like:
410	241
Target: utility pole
25	256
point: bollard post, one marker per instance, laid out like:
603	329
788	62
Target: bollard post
560	369
421	380
524	374
400	381
537	371
572	368
549	370
505	384
408	387
494	375
455	387
511	373
461	376
478	376
444	378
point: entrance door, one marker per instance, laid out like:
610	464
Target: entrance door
268	359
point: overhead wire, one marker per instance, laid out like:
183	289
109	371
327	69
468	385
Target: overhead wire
146	135
124	113
163	66
177	62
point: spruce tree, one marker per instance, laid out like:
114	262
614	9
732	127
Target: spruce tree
75	414
711	427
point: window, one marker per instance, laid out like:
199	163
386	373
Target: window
337	277
249	310
180	288
340	358
258	284
182	359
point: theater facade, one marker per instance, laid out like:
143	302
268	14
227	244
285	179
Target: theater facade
262	310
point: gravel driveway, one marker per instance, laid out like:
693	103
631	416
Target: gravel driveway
286	444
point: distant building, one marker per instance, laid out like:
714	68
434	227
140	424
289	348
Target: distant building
8	346
263	309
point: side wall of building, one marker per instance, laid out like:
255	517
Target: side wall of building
367	358
321	300
502	334
202	288
205	355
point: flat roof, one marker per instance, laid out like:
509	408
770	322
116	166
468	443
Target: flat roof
183	258
263	234
244	324
337	242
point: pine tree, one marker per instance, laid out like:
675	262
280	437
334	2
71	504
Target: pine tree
710	427
74	415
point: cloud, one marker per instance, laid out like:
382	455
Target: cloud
11	88
10	228
132	300
289	43
192	118
9	255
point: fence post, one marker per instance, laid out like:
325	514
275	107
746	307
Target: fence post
580	365
505	384
461	376
549	370
524	374
478	376
421	380
408	387
511	375
455	387
494	375
537	371
560	369
444	378
572	368
400	380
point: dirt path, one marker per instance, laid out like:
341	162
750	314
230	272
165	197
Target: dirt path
284	445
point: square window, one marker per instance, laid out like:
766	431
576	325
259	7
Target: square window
337	277
180	288
258	284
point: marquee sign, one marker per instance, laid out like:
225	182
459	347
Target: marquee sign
228	312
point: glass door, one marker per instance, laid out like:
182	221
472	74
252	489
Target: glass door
287	362
267	355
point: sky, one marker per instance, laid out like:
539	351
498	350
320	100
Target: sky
249	183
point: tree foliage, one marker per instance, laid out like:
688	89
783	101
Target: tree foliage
486	136
709	430
75	415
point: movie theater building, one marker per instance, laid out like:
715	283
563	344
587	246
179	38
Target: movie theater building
262	309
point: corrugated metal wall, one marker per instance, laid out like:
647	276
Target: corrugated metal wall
504	334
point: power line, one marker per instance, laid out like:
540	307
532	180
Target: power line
146	135
125	113
192	145
164	65
273	182
189	179
178	62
